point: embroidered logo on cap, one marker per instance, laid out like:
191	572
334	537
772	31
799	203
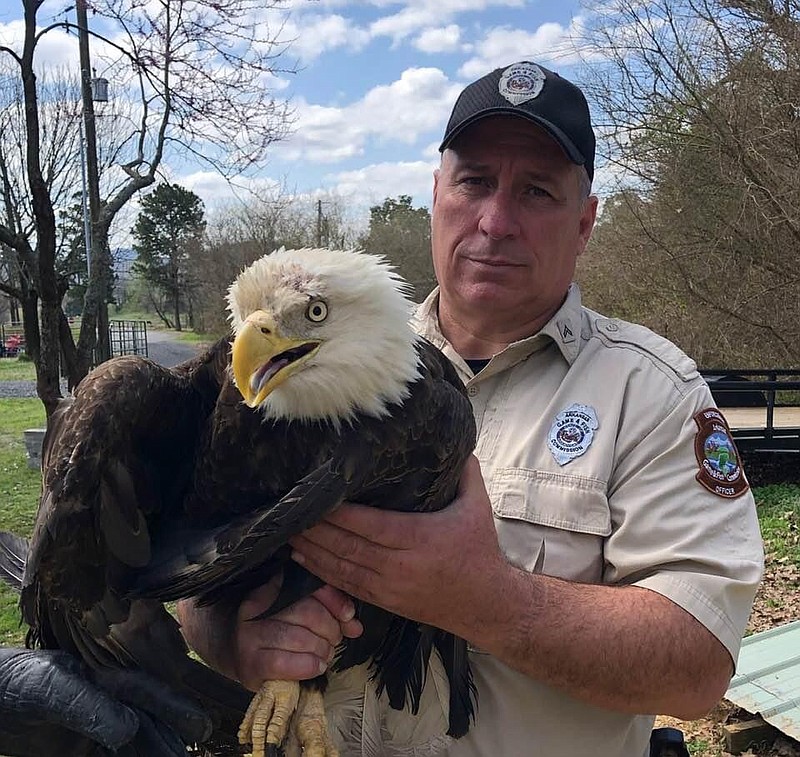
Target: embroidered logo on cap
720	470
521	82
572	432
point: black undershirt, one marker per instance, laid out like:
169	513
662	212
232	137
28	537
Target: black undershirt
476	366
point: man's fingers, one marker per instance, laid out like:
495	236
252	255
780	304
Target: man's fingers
343	608
311	615
387	528
279	664
336	602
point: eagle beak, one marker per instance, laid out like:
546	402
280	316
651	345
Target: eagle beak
263	358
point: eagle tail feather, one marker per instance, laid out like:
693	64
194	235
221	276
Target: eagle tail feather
454	654
401	664
13	553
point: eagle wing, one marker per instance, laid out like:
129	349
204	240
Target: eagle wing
117	458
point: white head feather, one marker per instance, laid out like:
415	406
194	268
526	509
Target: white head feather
367	358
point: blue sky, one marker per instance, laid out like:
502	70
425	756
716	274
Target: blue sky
375	85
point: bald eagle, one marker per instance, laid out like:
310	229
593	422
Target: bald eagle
163	484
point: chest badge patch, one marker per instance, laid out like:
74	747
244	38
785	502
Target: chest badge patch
572	432
720	468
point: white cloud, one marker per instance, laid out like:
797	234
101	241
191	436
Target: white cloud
312	35
551	44
215	191
372	184
402	111
443	39
55	50
421	14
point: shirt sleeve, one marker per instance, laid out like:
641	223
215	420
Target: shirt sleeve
672	534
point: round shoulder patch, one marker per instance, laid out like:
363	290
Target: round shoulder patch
720	467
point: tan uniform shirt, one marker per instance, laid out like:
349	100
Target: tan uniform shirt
600	468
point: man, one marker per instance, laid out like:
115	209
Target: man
598	563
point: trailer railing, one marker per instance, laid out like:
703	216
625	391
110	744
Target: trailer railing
762	406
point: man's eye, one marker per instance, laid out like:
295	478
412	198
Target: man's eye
535	191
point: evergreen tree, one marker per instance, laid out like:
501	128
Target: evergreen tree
169	227
402	233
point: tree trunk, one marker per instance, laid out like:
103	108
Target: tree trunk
30	321
47	382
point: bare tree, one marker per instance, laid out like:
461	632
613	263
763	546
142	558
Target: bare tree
697	100
191	77
236	236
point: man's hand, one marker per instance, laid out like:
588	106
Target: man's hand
294	644
48	704
440	568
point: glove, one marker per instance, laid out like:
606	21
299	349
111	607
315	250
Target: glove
51	704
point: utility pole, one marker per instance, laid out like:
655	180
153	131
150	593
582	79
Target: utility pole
92	181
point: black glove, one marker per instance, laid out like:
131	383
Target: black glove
51	704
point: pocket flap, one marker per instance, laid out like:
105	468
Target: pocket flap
548	498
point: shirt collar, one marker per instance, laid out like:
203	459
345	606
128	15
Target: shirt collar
563	329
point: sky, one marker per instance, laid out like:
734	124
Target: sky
374	86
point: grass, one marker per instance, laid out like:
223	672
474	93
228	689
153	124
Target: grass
14	369
779	516
19	493
195	337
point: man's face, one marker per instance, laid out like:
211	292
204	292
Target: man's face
509	220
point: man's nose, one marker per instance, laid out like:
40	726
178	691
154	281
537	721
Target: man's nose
499	216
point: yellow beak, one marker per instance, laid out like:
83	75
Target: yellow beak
263	358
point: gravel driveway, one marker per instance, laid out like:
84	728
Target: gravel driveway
162	346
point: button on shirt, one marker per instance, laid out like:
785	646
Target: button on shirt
616	504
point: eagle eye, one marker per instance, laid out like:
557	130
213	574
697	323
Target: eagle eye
317	311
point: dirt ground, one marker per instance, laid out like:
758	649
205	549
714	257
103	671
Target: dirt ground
777	602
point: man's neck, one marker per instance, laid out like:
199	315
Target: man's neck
477	338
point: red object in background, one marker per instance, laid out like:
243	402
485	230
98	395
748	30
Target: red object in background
12	345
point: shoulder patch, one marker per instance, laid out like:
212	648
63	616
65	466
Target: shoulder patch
645	340
720	466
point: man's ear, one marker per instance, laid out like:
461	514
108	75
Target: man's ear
586	223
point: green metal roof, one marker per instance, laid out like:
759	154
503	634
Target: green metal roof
767	679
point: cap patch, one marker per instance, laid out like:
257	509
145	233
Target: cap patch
521	82
720	468
572	432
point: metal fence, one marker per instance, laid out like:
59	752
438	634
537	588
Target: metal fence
124	338
127	338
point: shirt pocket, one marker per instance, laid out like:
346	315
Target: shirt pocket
551	522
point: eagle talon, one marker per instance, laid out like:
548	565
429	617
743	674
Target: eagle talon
268	717
310	726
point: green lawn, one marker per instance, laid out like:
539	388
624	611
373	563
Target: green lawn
14	369
19	492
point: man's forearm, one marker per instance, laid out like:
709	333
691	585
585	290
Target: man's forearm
209	631
621	648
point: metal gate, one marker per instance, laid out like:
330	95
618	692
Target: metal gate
127	338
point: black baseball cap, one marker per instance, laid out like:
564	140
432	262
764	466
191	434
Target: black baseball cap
533	92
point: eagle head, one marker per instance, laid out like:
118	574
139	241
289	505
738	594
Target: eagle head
322	335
